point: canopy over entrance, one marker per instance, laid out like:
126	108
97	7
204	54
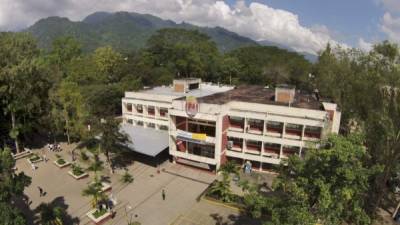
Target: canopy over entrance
147	141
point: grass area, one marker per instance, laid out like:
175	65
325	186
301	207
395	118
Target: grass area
77	170
99	212
61	161
34	157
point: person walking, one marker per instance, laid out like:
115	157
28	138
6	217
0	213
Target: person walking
163	194
40	191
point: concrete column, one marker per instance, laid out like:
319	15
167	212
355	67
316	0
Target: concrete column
144	107
283	130
302	131
134	110
157	111
262	148
281	151
245	125
301	148
265	127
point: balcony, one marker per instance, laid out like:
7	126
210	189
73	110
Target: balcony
237	144
255	126
289	151
253	147
236	124
312	133
293	131
274	129
272	150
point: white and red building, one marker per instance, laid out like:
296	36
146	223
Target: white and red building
208	124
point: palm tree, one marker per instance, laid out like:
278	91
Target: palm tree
222	188
229	168
50	215
94	190
96	165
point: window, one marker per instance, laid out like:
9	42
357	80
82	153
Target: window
201	150
129	107
139	108
151	125
194	86
163	127
151	110
163	112
130	121
139	123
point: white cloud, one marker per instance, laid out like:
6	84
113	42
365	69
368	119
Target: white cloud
390	25
364	45
256	20
391	5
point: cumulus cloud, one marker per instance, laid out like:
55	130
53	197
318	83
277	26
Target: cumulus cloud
364	45
255	20
391	5
391	27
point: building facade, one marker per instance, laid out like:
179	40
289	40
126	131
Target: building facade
208	124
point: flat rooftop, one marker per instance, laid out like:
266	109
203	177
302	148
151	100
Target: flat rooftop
147	141
204	90
261	95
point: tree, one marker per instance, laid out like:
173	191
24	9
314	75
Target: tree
69	109
108	63
330	184
50	215
267	65
63	51
23	85
94	190
383	132
229	70
96	165
111	139
12	186
222	188
185	53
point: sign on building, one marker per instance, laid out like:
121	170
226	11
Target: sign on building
191	106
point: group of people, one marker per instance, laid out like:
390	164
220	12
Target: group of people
54	147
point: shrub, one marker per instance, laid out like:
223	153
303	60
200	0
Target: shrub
127	178
84	156
77	170
61	161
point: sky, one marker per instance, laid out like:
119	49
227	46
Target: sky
303	25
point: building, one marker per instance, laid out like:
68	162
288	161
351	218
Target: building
208	124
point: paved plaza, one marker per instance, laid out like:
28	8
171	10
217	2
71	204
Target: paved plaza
140	200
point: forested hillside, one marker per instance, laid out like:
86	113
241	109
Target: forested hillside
125	32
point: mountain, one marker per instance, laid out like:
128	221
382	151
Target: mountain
124	31
310	57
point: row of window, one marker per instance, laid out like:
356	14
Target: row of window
256	126
237	144
151	110
149	125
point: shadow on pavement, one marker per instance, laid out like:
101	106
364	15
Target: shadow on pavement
56	202
234	220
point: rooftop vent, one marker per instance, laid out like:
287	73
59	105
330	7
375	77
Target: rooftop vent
285	93
186	85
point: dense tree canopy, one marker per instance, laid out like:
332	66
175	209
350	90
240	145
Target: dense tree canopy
64	90
329	185
12	185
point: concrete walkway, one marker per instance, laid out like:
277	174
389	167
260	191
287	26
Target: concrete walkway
142	197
